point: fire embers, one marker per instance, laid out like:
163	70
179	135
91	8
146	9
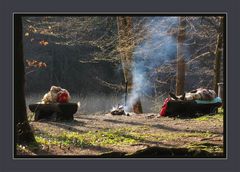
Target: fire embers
119	110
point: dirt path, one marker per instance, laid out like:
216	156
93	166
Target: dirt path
102	133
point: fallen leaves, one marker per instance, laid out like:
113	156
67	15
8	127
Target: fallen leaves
43	43
36	64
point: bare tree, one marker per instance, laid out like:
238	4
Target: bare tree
126	46
180	78
218	55
127	41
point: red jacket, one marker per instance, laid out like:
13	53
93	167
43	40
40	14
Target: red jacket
164	107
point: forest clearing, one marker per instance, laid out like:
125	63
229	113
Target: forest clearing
119	86
115	136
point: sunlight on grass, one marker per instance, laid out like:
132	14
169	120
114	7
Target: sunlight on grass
91	138
114	137
217	116
21	148
110	137
48	141
206	146
27	149
169	136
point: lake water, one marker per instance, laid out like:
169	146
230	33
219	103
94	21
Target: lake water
102	104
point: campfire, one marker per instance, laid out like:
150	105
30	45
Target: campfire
119	110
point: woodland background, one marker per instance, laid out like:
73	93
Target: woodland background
85	54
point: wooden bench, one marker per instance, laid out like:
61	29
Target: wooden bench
55	111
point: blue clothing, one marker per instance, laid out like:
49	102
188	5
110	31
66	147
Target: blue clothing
216	100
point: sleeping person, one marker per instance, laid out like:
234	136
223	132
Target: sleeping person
197	94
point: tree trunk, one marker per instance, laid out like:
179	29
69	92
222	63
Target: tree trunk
23	132
180	76
126	46
218	55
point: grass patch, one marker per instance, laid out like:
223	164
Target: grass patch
209	147
28	149
110	137
217	116
30	116
124	136
45	140
91	138
170	136
22	148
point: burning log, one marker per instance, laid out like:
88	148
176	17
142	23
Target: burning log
137	107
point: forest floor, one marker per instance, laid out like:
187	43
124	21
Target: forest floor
103	134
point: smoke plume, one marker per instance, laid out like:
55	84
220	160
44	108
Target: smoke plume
158	46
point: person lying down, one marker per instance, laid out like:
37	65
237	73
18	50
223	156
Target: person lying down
198	94
56	95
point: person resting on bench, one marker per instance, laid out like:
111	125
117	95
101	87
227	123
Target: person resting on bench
197	94
56	95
